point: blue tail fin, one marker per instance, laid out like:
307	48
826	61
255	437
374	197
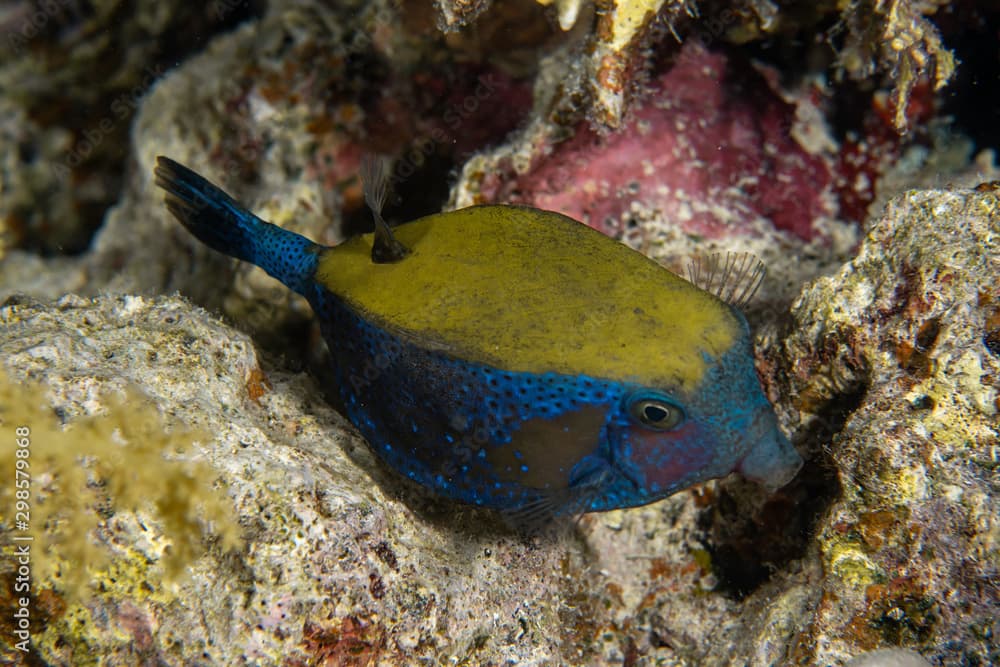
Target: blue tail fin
221	223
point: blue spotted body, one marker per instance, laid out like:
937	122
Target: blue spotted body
513	359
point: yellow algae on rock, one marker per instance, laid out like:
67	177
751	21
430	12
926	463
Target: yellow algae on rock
99	466
846	561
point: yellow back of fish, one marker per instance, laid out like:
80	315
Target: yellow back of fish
528	290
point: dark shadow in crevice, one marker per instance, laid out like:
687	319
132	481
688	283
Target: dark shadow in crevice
972	98
750	534
417	189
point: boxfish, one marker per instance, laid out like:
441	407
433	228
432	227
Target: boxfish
514	358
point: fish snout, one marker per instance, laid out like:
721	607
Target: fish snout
771	461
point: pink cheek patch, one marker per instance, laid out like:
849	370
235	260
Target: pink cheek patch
664	458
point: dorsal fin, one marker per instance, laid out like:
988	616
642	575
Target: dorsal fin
386	249
733	278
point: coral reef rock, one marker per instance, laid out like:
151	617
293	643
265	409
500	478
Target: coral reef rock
900	347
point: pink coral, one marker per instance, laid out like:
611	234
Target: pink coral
709	148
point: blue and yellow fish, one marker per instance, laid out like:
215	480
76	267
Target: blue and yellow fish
514	358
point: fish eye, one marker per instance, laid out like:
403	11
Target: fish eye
656	413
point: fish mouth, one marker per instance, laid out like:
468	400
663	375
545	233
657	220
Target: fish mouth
772	460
